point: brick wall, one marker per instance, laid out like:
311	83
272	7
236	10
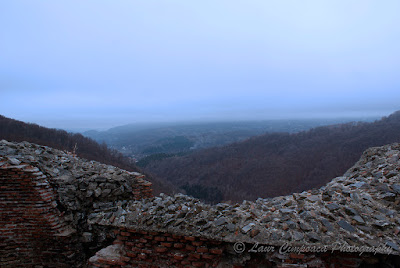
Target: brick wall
31	229
142	189
148	249
156	249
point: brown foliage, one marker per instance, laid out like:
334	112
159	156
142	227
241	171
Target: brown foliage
279	163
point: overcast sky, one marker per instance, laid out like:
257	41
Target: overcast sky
99	63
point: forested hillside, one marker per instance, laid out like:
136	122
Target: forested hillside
275	164
13	130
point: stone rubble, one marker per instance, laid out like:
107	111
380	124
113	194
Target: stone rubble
360	208
79	183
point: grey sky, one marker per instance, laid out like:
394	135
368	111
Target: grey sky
104	63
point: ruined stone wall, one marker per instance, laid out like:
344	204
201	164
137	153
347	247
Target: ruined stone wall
353	221
46	196
58	210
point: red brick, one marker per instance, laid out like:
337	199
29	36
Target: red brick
131	254
142	256
178	256
202	249
194	256
161	249
190	248
165	244
135	249
208	256
198	264
179	245
197	243
216	251
159	238
190	238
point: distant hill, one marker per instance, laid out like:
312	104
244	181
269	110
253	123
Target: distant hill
274	164
146	140
13	130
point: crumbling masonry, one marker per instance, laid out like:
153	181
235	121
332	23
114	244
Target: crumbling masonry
58	210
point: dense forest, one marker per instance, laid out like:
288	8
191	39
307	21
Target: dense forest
275	164
13	130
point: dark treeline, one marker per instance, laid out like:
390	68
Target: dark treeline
13	130
279	163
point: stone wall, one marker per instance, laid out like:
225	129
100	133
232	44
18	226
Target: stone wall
46	196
